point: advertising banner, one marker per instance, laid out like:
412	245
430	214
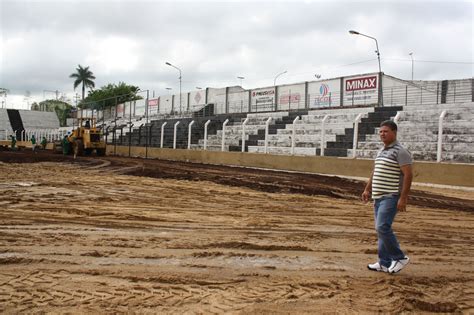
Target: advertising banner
180	103
324	93
262	100
120	110
197	99
361	90
291	96
139	108
153	105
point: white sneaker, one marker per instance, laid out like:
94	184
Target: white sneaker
377	267
398	265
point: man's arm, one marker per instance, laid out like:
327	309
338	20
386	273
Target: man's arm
368	189
407	179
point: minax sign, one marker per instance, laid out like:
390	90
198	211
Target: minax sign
365	83
361	90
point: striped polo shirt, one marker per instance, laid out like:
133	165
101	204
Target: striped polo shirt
388	178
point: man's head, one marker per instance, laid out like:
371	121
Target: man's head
388	132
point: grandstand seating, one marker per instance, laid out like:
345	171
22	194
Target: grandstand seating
39	120
422	103
254	130
5	126
153	128
418	132
338	131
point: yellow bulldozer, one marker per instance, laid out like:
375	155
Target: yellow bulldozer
84	139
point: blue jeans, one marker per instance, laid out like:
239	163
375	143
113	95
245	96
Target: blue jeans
385	210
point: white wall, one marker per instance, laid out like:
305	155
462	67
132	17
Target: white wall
397	92
238	100
217	96
184	102
459	91
166	104
140	107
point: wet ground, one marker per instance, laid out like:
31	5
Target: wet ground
112	235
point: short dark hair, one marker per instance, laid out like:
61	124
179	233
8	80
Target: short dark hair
390	124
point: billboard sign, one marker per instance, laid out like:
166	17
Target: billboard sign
324	99
262	100
290	98
361	90
120	110
364	83
139	107
153	106
324	93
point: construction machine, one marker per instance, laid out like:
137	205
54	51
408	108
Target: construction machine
85	138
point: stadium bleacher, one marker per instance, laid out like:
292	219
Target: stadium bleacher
39	120
5	126
418	132
417	106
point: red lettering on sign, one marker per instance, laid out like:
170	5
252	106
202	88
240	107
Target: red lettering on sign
153	102
365	83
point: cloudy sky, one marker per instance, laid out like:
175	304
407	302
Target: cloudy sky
214	42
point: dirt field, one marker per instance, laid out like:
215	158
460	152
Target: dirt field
116	235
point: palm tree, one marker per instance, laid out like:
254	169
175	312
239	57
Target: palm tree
84	76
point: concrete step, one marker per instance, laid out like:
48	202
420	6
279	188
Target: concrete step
333	119
282	143
313	130
219	142
422	156
466	138
209	147
341	111
422	146
283	150
302	137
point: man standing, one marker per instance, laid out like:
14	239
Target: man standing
44	142
65	145
13	142
389	185
33	143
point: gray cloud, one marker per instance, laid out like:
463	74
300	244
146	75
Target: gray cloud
214	42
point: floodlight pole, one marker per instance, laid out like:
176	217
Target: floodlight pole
376	44
169	64
378	57
274	80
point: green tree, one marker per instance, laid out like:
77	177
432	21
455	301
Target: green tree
35	106
110	95
85	77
